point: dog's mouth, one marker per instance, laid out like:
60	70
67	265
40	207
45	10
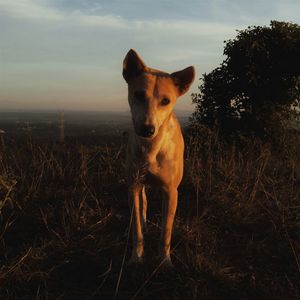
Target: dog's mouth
148	137
145	136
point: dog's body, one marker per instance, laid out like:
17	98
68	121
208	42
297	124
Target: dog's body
155	147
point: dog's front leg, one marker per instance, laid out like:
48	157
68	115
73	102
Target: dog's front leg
144	208
170	198
135	195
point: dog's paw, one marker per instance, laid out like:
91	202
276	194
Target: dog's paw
136	270
166	263
135	261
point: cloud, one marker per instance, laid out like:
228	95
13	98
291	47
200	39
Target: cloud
224	16
106	21
38	10
29	9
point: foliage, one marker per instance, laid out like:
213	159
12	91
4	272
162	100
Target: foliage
257	86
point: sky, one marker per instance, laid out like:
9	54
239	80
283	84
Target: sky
68	54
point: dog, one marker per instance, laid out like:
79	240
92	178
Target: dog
155	146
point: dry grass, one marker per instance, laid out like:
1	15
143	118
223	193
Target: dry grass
64	224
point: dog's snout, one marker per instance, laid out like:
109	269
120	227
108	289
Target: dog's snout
147	130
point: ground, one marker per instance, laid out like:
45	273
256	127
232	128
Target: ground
65	222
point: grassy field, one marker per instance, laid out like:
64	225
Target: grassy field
65	216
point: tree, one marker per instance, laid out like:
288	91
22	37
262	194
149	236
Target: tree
257	87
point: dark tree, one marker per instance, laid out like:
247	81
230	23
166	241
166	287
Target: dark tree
257	87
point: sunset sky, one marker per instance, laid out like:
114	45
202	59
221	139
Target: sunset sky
59	54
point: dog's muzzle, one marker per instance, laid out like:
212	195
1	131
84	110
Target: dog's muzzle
146	131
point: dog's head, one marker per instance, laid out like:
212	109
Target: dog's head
152	94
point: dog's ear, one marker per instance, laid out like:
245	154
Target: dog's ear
183	79
132	65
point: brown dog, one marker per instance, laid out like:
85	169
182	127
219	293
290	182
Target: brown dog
155	147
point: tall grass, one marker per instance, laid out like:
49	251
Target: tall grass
64	223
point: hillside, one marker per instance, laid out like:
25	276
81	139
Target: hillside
65	219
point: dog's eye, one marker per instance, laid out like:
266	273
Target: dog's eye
165	101
140	95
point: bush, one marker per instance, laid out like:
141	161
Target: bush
256	89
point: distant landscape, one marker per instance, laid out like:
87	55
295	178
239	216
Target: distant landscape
45	124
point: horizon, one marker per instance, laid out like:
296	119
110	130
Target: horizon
62	55
45	110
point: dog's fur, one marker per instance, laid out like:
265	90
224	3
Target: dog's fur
155	148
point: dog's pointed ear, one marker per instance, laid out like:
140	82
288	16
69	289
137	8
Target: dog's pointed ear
183	79
132	65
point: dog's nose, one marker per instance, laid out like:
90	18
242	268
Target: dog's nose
147	130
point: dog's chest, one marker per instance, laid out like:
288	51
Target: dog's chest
156	162
157	165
